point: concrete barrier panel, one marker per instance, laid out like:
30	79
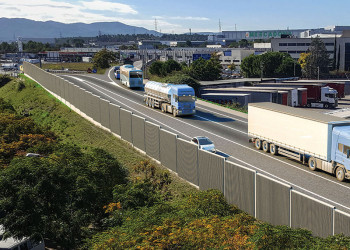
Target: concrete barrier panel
187	160
125	125
87	108
95	106
240	187
311	214
168	149
152	139
341	223
104	108
71	93
81	98
210	170
66	90
114	118
138	132
272	200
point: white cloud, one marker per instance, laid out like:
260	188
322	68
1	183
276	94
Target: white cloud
190	18
83	11
50	10
108	6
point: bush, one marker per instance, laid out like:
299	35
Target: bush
4	79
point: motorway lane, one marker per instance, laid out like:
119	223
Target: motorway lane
229	135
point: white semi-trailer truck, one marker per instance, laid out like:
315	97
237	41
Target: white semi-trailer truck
319	140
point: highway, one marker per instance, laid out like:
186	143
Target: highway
228	131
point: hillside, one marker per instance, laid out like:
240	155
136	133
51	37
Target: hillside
21	27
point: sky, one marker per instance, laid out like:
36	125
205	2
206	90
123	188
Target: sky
178	16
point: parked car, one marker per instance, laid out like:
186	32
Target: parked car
204	143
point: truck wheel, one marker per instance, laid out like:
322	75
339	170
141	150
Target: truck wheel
174	112
326	106
266	146
308	105
257	143
312	164
340	174
273	149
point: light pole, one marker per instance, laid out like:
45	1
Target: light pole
262	68
294	67
318	72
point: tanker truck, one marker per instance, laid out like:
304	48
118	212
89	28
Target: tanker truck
319	140
176	99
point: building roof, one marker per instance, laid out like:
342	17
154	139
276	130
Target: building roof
298	112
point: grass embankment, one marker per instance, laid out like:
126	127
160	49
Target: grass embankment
155	210
46	110
80	66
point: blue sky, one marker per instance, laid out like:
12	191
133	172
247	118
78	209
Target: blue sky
180	15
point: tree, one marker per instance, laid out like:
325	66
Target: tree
103	58
318	60
206	70
270	64
232	67
60	196
157	68
171	65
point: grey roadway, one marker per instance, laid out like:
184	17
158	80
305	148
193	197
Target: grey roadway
228	130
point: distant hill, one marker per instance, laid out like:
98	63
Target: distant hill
11	28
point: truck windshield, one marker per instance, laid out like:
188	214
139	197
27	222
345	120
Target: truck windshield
186	98
331	95
135	75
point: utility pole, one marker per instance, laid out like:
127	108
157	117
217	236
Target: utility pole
294	67
318	72
219	26
262	70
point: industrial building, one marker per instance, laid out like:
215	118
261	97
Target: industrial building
296	46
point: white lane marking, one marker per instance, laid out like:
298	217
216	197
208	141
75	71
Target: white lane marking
222	114
195	115
137	111
206	119
254	150
317	195
289	183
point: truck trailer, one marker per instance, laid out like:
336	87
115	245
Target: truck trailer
176	99
319	140
318	95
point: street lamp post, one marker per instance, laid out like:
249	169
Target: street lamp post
318	72
262	68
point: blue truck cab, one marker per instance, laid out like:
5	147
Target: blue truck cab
341	147
183	99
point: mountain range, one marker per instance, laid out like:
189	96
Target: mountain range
11	28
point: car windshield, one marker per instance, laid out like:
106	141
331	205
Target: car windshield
135	75
186	98
204	141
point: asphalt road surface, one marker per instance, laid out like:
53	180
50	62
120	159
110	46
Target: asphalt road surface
228	131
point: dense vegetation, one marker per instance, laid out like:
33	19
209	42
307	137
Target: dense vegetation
173	72
79	196
316	61
270	64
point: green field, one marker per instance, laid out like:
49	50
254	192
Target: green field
82	66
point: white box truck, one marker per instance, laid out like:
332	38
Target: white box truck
322	141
